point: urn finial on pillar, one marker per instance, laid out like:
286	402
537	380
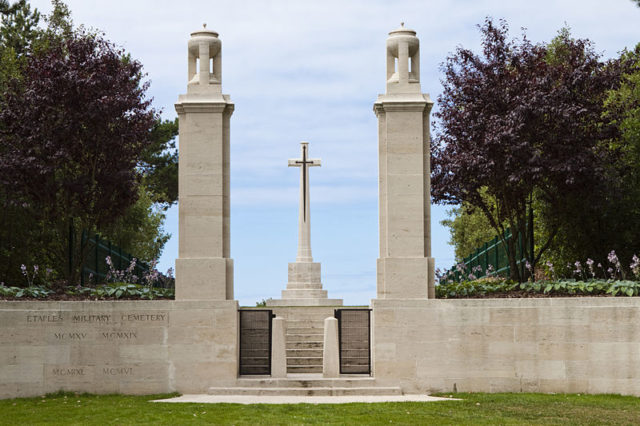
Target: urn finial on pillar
205	61
403	61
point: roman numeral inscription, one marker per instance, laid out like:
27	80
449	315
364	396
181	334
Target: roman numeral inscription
70	336
117	371
68	372
120	335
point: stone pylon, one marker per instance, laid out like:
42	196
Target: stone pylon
204	270
405	267
305	286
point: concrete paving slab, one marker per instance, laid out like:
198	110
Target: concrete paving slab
252	399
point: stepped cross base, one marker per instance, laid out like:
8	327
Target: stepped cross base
304	287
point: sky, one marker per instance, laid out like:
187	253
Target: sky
311	70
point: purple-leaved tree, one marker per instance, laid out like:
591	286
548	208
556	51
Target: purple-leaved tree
72	131
519	121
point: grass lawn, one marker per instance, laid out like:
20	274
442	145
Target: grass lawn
69	408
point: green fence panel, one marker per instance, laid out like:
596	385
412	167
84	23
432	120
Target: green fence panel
492	253
95	268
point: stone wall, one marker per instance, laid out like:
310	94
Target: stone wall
131	347
582	345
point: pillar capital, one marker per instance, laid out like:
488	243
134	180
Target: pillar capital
204	62
403	61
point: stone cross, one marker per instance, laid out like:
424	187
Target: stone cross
304	229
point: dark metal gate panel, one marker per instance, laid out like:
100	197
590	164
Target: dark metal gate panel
354	331
255	342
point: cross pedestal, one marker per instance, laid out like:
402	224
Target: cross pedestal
305	286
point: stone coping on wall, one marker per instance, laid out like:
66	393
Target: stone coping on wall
586	301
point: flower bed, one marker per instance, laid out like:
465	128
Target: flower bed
493	288
112	291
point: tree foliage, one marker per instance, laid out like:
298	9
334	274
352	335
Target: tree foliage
159	163
519	120
607	218
139	230
18	31
72	132
469	230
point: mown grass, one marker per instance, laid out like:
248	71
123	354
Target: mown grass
477	408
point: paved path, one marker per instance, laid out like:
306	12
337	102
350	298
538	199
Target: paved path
252	399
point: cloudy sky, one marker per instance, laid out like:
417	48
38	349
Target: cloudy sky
311	70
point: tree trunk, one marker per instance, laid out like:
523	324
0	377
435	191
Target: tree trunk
514	271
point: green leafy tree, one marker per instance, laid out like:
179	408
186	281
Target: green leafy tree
139	230
469	229
18	31
159	163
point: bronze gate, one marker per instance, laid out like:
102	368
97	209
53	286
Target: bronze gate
255	341
354	331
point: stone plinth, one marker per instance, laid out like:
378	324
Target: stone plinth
304	287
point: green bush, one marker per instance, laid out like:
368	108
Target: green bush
108	291
488	287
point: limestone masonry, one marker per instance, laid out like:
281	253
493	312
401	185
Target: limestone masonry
413	342
405	266
204	269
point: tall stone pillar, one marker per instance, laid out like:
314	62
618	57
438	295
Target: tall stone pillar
204	270
405	266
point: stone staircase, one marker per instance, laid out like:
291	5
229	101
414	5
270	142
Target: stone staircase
305	385
305	335
304	345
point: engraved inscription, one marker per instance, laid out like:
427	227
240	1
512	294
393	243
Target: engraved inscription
44	318
143	317
91	318
68	372
117	371
120	335
70	336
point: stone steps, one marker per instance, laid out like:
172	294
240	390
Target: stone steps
306	385
304	360
302	332
307	381
299	338
293	368
301	391
304	353
307	331
305	336
305	344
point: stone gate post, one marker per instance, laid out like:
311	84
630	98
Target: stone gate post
204	270
405	266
